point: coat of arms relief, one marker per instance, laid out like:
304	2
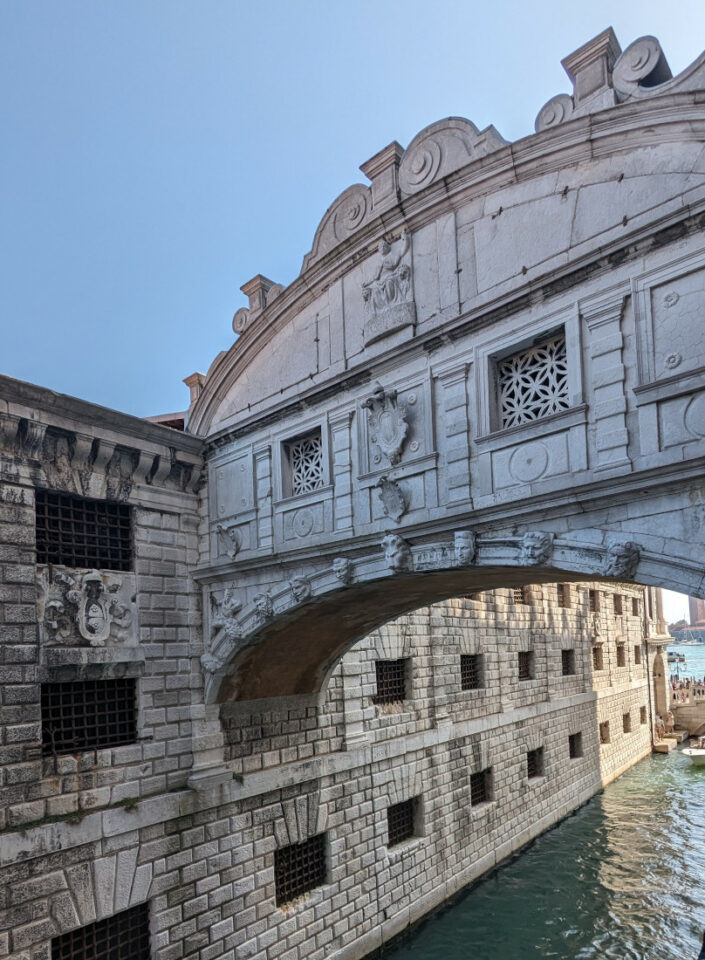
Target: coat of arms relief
86	607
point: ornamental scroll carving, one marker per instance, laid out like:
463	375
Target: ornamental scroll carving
91	608
389	296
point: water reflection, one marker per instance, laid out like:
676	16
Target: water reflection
622	878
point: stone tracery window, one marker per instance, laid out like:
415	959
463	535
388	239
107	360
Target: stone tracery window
305	458
533	383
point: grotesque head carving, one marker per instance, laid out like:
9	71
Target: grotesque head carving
536	548
343	569
300	588
397	552
621	559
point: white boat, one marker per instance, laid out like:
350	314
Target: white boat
696	753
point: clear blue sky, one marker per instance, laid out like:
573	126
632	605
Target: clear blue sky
156	154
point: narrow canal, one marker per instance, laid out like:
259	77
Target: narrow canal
624	877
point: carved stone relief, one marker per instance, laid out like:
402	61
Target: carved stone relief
119	472
536	548
443	147
394	503
343	570
387	421
79	608
621	559
229	538
389	296
397	553
464	544
264	607
300	588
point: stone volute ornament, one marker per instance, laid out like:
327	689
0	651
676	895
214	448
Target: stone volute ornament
85	604
389	296
536	548
397	553
621	559
394	503
387	421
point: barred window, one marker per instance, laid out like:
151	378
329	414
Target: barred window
621	655
88	714
617	604
575	746
481	787
605	732
626	723
593	601
568	662
299	868
400	821
78	532
642	714
471	671
597	658
635	606
305	459
526	664
521	595
534	763
563	592
637	655
124	936
391	681
533	383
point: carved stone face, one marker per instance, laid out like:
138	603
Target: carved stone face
397	552
301	588
536	547
464	547
264	606
384	247
343	569
621	559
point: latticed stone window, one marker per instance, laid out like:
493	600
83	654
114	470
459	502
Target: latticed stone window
79	532
391	680
122	937
88	714
400	821
534	763
568	662
471	671
575	746
300	867
305	459
533	383
481	787
526	664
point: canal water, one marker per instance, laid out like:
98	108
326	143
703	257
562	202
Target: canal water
622	878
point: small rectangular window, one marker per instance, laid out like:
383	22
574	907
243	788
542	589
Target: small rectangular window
626	723
471	671
521	595
82	533
481	787
563	593
300	867
594	601
621	655
642	714
391	680
605	732
400	821
533	383
124	936
568	662
637	655
635	606
597	659
88	714
575	746
304	457
526	664
617	604
534	763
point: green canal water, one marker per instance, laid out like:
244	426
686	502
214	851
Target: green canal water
622	878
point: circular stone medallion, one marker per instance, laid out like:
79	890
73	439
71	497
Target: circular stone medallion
528	462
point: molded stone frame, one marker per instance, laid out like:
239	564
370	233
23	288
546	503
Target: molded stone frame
234	498
669	397
544	451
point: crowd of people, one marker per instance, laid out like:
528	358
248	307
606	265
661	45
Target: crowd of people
680	688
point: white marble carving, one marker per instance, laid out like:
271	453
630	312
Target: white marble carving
640	68
264	607
533	383
397	553
442	148
229	537
536	548
621	559
389	296
224	618
343	570
89	607
557	110
300	588
394	503
344	216
464	544
240	320
387	420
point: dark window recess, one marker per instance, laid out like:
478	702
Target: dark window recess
642	714
400	822
617	604
391	681
635	606
593	601
122	937
637	655
526	664
605	732
78	532
626	723
299	867
521	595
597	659
621	655
563	591
534	763
481	786
471	672
575	746
86	714
568	662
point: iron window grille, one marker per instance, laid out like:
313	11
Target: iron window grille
626	723
597	658
391	681
481	787
635	606
88	714
642	714
637	655
521	595
568	662
534	763
78	532
605	732
526	664
400	822
593	601
575	746
305	459
621	655
617	604
124	936
563	592
299	868
533	383
471	672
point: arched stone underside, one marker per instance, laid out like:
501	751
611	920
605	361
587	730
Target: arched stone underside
490	371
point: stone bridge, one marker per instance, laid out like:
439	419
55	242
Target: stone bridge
490	371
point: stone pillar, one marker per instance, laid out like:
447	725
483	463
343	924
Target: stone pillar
659	674
352	669
341	442
454	401
263	493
